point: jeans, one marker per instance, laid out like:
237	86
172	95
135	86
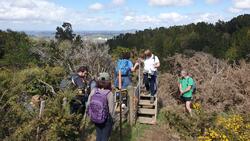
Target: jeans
126	81
150	83
77	104
103	131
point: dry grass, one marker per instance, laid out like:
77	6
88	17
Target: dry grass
220	86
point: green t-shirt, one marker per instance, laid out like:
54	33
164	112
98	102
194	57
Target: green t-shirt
185	82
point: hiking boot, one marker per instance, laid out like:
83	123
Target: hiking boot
152	100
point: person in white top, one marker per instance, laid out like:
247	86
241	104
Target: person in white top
151	64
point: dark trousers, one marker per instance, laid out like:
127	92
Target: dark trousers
77	104
103	131
150	83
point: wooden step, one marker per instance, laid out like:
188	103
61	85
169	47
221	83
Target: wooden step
146	111
146	120
145	95
147	103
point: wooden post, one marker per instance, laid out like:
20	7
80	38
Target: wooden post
64	102
120	97
131	92
42	105
139	77
120	80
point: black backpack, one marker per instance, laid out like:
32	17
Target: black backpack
193	86
68	82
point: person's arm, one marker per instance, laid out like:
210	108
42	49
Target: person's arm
187	89
180	87
190	84
91	94
157	62
135	66
157	65
111	104
79	83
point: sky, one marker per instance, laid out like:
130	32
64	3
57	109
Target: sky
96	15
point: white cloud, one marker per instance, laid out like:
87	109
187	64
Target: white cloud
242	4
169	2
46	15
96	6
39	10
239	6
212	1
128	18
146	21
234	10
118	2
175	17
206	17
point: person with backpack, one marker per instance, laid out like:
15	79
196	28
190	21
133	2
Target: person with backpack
151	64
77	82
194	84
100	107
186	91
125	65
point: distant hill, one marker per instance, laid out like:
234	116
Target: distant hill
92	35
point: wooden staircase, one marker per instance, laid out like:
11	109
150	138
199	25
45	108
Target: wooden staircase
147	111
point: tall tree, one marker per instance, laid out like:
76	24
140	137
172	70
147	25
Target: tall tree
65	32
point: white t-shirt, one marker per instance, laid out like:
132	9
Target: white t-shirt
149	64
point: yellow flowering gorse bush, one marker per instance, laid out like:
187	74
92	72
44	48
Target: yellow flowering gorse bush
231	128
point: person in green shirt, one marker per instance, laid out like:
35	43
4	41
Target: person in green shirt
185	88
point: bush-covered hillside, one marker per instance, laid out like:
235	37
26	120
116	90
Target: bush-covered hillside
228	40
221	105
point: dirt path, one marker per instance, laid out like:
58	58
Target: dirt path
159	132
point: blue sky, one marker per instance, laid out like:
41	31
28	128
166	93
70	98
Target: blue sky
115	14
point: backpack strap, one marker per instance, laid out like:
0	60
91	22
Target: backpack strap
72	78
73	81
107	93
189	80
97	90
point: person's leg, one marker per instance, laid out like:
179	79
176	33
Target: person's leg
188	107
152	84
107	130
99	133
116	82
146	81
74	105
126	81
81	104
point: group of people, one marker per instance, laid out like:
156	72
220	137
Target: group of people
150	62
99	102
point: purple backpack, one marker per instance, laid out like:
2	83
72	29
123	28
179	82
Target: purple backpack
98	109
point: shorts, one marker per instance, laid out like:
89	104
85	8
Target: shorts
185	99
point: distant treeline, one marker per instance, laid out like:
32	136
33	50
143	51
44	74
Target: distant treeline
227	40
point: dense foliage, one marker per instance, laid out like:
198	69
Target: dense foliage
34	68
31	67
14	49
230	40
